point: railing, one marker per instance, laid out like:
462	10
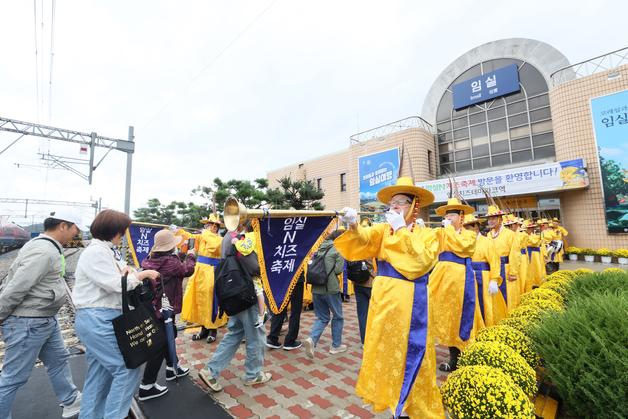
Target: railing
391	128
594	65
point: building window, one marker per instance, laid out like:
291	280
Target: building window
343	182
318	183
512	129
429	162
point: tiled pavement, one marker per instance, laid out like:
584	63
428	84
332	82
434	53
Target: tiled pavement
300	387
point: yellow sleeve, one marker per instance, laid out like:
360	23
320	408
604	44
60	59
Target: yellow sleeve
361	243
462	244
493	262
563	231
412	253
246	245
514	258
187	236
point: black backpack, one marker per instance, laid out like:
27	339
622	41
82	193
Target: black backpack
234	287
316	272
358	271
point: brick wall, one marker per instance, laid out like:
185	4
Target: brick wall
583	210
328	168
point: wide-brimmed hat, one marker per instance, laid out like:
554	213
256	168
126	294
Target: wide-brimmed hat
528	224
454	204
543	221
509	219
471	219
494	211
212	219
405	186
165	240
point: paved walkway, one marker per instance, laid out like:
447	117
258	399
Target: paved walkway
300	388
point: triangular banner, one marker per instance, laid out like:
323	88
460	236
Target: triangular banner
284	246
140	238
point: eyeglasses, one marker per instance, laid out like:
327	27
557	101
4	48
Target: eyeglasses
399	203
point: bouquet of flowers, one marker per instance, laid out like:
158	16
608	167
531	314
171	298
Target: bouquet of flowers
504	358
480	392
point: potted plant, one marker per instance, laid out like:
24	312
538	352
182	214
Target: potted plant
622	256
572	253
604	254
589	255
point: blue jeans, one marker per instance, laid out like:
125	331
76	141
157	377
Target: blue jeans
26	339
323	305
109	385
362	300
241	325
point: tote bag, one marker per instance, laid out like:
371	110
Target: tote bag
137	331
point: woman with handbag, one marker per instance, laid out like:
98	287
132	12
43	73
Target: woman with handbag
172	271
97	295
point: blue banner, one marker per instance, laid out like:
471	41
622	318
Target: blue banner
284	245
140	238
488	86
376	171
610	123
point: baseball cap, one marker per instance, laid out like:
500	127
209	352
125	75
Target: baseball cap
69	215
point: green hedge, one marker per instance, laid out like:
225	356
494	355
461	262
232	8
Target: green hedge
585	348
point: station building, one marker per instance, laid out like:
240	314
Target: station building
512	117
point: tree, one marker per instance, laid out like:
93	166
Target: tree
297	194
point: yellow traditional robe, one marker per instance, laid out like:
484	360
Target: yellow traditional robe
536	268
412	253
199	294
447	286
485	252
522	236
546	238
507	245
560	233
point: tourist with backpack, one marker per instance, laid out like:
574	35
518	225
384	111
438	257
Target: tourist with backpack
326	295
243	316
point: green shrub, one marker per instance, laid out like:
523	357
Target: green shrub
587	285
584	349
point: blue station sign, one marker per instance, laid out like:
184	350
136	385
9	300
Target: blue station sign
488	86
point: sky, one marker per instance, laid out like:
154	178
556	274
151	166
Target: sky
236	89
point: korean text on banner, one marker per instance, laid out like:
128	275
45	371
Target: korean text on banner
376	171
140	238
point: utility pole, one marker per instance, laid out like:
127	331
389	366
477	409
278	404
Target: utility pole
92	140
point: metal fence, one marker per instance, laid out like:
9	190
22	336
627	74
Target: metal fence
391	128
594	65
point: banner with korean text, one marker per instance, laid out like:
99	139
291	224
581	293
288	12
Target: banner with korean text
140	238
610	125
376	171
557	176
284	246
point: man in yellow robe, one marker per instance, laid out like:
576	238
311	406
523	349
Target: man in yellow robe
398	369
199	300
486	269
514	223
550	244
561	234
536	265
507	247
453	293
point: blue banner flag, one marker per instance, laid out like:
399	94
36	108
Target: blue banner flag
284	245
141	237
376	171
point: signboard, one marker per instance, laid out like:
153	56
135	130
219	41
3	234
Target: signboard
488	86
376	171
610	124
525	180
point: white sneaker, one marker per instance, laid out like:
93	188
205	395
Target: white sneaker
340	349
72	409
308	344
